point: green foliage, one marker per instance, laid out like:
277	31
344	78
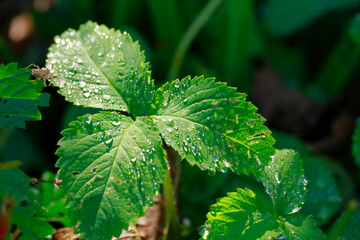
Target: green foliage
19	97
285	17
52	200
102	68
241	215
111	164
15	184
323	197
285	182
32	227
194	115
216	38
111	167
244	215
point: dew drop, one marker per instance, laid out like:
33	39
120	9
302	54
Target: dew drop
87	94
82	84
106	97
278	177
133	159
215	158
156	186
108	143
203	231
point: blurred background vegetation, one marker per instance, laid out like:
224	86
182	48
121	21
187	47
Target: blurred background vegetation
297	60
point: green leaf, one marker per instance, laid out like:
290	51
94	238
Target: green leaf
111	166
212	126
32	227
15	184
356	144
19	97
285	182
52	201
241	215
296	226
285	17
323	197
102	68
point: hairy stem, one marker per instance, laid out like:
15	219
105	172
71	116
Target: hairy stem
170	189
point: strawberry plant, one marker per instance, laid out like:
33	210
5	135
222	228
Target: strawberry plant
112	163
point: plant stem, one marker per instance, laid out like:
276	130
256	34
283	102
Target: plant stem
172	180
171	209
189	36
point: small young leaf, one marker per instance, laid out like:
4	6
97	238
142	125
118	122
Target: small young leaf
285	182
212	126
102	68
296	226
19	97
111	166
241	215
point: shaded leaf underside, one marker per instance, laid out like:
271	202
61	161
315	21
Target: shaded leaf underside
110	166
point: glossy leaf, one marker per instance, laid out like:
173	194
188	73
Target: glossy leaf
285	182
241	215
111	166
212	126
102	68
19	97
296	226
285	17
